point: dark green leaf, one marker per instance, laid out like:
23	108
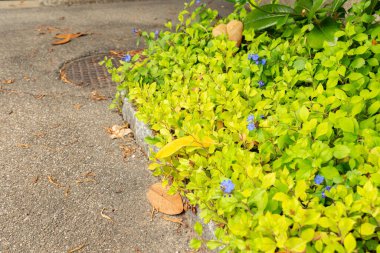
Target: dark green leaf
322	33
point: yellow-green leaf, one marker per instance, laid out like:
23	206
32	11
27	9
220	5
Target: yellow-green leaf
350	242
187	141
367	229
269	180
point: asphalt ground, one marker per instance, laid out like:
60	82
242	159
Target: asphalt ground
64	183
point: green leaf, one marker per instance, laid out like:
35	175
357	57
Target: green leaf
367	229
307	235
269	180
346	124
345	225
198	228
374	108
322	129
341	151
267	16
336	5
322	33
295	244
357	63
195	243
304	113
350	243
214	244
330	172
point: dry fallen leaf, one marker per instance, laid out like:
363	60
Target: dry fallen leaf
97	96
172	219
23	145
117	131
35	179
86	177
76	248
105	216
66	37
41	96
54	181
39	134
8	81
162	201
78	106
126	150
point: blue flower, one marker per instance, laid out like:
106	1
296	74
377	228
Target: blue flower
250	118
319	179
327	188
263	61
156	33
254	57
134	30
198	2
127	58
261	83
227	186
251	126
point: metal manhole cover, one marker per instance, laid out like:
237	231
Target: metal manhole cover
86	72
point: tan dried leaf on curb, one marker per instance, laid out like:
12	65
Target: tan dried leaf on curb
105	216
8	81
97	96
172	219
66	37
76	249
160	199
117	131
126	150
23	145
54	182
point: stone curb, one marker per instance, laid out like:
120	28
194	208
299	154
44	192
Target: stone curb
141	131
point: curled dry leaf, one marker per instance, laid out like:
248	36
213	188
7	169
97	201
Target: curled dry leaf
78	248
66	37
105	216
172	219
117	131
162	201
235	31
218	30
78	106
54	182
97	96
8	81
126	150
23	145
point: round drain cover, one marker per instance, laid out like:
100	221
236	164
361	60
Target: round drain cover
87	72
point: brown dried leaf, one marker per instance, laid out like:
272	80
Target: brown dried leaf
8	81
35	179
78	106
117	131
162	201
105	216
54	182
78	248
39	134
41	96
23	145
172	219
235	31
66	37
97	96
126	150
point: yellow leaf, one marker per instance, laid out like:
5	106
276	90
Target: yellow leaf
187	141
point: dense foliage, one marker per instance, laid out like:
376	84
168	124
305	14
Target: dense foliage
293	165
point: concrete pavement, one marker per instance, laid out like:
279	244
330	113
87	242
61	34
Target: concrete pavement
53	138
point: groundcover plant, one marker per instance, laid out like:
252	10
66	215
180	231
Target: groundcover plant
277	141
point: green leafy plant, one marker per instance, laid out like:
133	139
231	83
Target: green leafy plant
276	142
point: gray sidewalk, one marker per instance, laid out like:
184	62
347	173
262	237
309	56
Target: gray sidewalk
52	137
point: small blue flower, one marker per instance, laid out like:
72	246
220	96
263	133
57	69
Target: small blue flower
156	33
227	186
257	62
263	61
134	30
327	188
127	58
319	179
261	83
251	126
250	118
254	57
198	2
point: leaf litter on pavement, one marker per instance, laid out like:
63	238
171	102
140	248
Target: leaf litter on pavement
66	37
